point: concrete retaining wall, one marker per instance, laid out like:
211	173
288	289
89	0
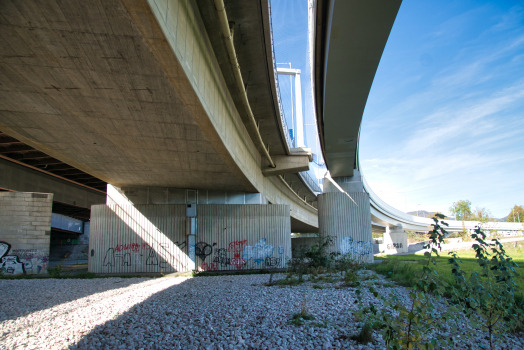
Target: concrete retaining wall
25	232
152	238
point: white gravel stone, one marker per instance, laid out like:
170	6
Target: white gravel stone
223	312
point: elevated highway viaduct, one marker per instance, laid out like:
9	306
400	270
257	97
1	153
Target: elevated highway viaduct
350	37
173	104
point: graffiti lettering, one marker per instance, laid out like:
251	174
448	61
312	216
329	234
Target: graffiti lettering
394	245
109	258
258	252
134	247
221	257
355	248
152	260
272	262
236	247
34	260
209	266
9	264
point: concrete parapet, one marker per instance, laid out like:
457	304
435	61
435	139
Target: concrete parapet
25	223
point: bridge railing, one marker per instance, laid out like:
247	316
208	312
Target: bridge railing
312	184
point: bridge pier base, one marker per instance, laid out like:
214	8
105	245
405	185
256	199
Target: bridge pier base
345	217
127	237
395	241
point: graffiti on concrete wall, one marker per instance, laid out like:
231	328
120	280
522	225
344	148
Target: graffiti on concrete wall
237	255
347	246
35	260
203	250
236	248
258	252
221	257
394	245
134	254
9	264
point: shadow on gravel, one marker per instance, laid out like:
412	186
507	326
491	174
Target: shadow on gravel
187	316
25	296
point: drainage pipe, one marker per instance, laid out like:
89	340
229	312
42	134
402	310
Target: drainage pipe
228	40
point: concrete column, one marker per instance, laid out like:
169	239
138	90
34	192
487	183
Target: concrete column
25	232
346	217
395	241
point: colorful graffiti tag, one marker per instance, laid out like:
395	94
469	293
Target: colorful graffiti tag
9	264
258	252
35	261
347	246
238	255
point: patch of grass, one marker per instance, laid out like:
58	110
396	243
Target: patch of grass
298	318
321	325
404	273
318	286
400	267
351	278
55	272
289	282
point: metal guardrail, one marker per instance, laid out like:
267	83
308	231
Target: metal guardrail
281	109
313	186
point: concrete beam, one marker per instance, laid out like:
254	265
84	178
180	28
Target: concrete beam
21	179
286	165
302	151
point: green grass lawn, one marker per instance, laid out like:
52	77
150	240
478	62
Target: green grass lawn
405	269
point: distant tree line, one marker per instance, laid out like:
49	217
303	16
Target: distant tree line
462	211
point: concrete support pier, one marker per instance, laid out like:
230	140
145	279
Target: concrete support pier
180	234
25	228
395	240
344	215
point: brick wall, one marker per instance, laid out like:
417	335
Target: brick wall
25	232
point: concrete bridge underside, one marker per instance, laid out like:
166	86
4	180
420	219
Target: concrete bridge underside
132	92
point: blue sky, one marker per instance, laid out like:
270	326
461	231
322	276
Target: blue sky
444	119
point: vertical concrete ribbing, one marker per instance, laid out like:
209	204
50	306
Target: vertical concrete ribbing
348	223
152	238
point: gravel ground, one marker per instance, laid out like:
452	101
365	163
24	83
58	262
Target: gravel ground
225	312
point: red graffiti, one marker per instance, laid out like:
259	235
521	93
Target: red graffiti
238	262
209	266
236	247
134	247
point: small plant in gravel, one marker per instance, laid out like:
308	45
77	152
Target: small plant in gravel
410	326
488	297
299	317
366	334
316	256
55	272
351	278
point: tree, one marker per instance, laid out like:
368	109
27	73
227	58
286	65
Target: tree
432	215
516	214
461	210
481	214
